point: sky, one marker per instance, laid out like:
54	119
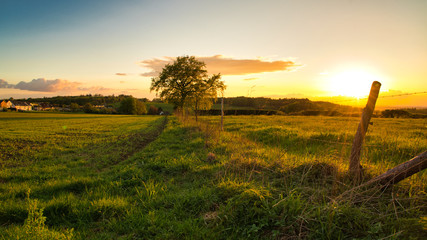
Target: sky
331	49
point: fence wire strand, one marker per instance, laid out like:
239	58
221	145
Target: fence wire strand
380	97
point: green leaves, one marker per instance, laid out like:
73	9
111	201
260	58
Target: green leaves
132	106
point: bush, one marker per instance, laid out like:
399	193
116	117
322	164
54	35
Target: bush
153	110
395	113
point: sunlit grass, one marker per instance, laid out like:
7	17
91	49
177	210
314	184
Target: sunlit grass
309	157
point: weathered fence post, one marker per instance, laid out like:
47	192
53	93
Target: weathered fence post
355	169
222	112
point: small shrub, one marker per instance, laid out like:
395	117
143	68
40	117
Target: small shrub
34	226
153	110
211	157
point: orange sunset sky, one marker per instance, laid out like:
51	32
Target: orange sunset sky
322	50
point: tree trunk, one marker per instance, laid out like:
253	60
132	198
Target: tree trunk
355	169
195	110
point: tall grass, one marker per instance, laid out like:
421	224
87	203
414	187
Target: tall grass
308	157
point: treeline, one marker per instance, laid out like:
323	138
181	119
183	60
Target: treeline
126	104
81	100
121	104
304	107
129	105
404	113
289	106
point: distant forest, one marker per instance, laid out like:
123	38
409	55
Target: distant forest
288	106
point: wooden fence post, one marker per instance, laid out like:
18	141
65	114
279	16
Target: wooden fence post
222	112
355	169
402	171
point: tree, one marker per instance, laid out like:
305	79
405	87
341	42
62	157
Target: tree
140	107
74	107
205	93
131	105
185	82
88	108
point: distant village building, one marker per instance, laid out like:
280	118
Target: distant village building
6	104
43	107
16	105
20	106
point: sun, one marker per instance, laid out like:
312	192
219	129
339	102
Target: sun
352	83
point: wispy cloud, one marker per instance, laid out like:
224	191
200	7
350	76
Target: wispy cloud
250	79
121	74
156	65
95	89
224	65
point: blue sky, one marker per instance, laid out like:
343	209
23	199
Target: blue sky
86	43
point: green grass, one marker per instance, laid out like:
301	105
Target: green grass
304	161
388	142
265	177
167	107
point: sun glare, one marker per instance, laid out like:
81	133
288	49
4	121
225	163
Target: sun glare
352	83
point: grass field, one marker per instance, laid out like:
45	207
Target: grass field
167	107
81	176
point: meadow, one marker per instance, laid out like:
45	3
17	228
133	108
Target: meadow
82	176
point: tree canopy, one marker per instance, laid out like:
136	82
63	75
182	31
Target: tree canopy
186	82
133	106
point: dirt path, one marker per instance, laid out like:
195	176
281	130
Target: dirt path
140	140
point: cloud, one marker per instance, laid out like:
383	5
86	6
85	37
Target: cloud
121	74
43	85
94	89
229	66
4	84
391	92
156	65
250	79
291	95
57	85
224	65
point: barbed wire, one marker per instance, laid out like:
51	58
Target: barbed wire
379	97
344	143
